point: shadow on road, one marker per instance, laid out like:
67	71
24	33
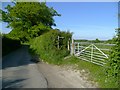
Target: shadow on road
13	83
18	70
17	58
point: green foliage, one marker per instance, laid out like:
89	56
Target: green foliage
46	46
97	40
0	34
9	45
113	69
81	40
21	35
29	19
91	41
37	30
94	72
112	41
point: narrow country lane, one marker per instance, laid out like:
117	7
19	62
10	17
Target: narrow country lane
19	72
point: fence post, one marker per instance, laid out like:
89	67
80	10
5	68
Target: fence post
68	44
91	52
72	47
78	47
58	42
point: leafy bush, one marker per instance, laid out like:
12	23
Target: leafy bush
113	70
46	46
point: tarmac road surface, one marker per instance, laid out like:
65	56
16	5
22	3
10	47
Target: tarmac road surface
19	72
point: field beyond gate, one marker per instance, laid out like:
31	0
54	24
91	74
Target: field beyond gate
96	53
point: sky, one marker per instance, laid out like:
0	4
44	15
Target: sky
87	20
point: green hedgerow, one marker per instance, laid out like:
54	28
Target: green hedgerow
46	46
113	70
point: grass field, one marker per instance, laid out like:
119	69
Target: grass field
104	47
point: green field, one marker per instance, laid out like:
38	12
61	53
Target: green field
106	48
96	53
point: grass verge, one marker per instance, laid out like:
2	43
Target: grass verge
97	73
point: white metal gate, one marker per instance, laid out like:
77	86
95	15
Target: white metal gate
90	53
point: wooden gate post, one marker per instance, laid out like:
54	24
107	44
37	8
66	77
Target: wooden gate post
72	47
68	44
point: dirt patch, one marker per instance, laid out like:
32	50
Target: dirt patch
65	76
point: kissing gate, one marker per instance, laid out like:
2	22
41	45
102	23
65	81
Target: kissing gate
89	52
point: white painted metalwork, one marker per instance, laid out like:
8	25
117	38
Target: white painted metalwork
100	51
90	54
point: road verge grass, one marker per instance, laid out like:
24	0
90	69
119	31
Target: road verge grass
96	73
46	47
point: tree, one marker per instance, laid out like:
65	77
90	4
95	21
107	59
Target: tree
30	19
97	40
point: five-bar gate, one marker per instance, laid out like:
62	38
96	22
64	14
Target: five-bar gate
90	53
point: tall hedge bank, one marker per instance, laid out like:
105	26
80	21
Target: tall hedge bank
46	46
